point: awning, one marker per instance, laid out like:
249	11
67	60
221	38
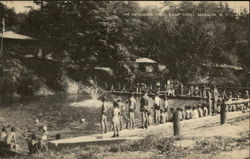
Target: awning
106	69
144	60
13	35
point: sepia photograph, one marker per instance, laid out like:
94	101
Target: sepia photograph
124	79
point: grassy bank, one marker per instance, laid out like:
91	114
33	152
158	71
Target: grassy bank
150	147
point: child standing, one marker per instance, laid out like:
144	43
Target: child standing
44	139
116	119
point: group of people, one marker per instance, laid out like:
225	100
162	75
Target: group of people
122	112
193	112
119	115
158	111
152	109
36	143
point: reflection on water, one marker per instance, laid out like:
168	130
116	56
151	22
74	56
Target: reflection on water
60	117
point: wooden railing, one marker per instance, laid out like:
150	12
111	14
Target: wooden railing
240	101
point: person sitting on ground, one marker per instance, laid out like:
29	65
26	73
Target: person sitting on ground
187	112
190	112
171	114
233	107
104	113
237	107
33	144
218	108
205	110
11	141
200	111
116	119
3	137
229	107
179	113
195	113
243	106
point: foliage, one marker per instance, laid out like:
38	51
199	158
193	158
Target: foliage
15	77
85	34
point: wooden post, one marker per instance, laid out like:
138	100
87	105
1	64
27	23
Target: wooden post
176	123
223	113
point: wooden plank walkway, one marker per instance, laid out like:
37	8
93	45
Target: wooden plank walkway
161	95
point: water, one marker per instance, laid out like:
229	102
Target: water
60	117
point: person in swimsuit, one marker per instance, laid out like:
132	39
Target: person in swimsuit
144	110
157	108
104	115
132	107
166	105
116	119
43	139
3	137
123	115
33	144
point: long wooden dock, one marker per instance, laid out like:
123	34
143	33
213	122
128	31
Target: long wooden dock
91	139
161	95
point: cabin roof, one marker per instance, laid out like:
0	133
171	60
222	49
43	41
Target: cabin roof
144	60
14	35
